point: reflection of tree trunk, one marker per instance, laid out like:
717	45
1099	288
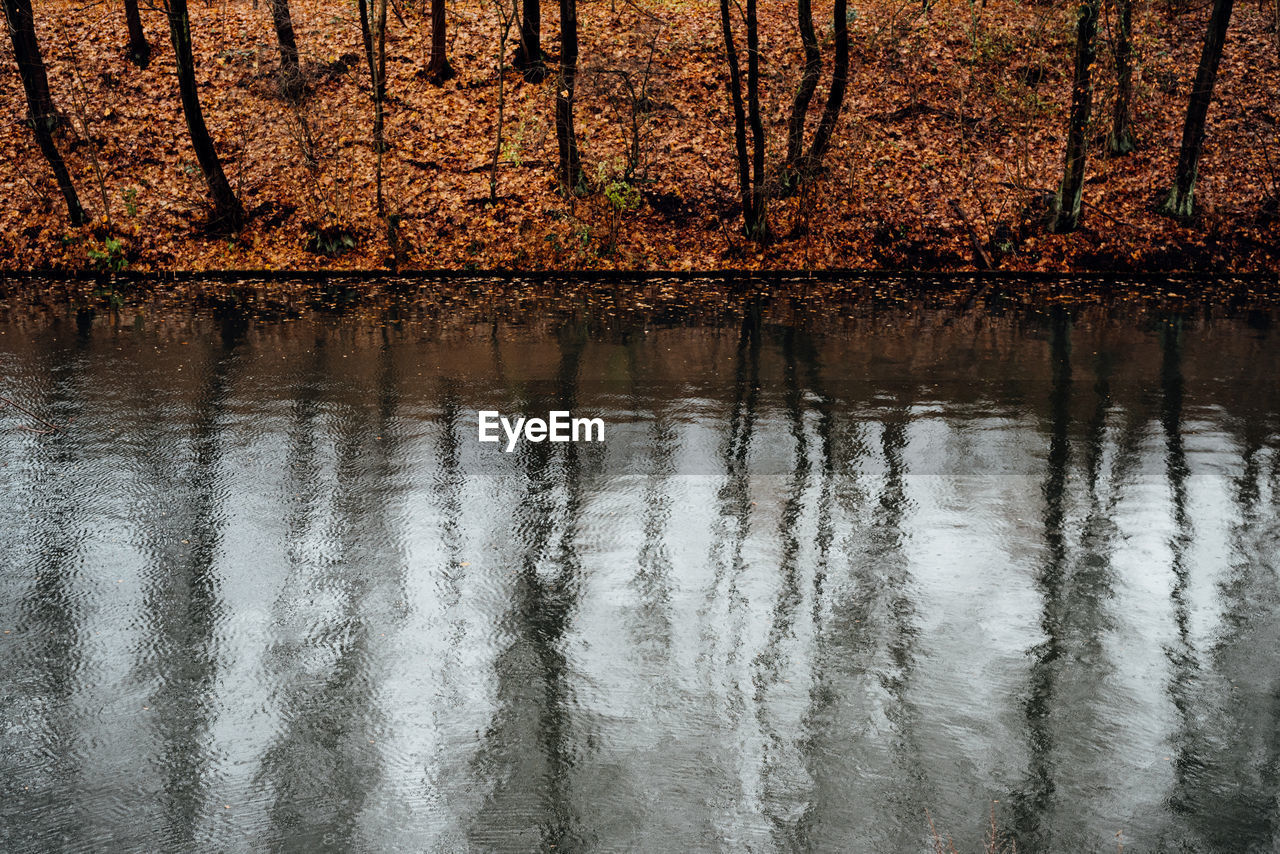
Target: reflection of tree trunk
1034	800
652	580
50	573
733	511
772	664
326	745
183	603
530	738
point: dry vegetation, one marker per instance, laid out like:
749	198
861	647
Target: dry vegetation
952	129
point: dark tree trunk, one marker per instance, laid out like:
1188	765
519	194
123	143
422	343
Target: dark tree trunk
1066	206
373	30
290	74
1120	140
570	164
757	223
139	48
227	212
21	25
835	96
1181	199
750	167
804	93
739	112
26	50
529	58
439	69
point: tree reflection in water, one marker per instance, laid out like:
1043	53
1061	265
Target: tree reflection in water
267	591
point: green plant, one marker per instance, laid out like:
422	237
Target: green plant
331	240
110	258
131	201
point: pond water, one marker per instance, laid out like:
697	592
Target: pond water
825	586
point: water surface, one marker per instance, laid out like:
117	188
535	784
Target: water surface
824	584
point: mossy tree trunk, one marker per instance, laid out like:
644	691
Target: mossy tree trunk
35	82
1120	140
1181	200
1066	205
227	212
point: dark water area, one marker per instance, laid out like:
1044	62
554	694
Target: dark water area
834	578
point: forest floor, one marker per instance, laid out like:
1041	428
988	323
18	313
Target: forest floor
952	133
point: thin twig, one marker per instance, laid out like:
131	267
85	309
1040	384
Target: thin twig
53	428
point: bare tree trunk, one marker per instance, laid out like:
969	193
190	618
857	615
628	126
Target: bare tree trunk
757	224
290	74
21	26
570	163
1181	199
529	58
505	19
227	212
373	29
804	93
1066	205
26	50
1120	140
439	69
139	48
750	167
739	112
835	96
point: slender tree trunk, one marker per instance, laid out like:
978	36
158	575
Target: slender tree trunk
439	69
529	58
835	96
758	224
227	212
21	26
373	30
505	22
1181	199
739	112
1120	140
290	74
570	164
1066	206
804	93
139	48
